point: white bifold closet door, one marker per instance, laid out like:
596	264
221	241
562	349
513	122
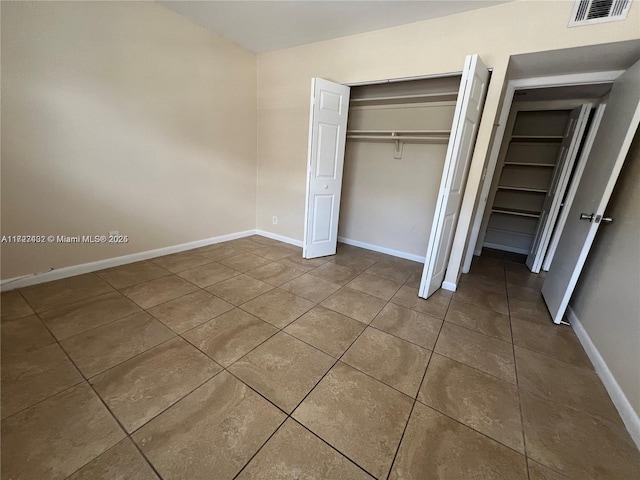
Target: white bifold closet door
608	153
562	172
473	89
327	138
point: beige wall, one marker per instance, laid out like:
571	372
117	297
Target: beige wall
422	48
121	116
389	202
606	299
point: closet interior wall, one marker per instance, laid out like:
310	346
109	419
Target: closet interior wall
397	138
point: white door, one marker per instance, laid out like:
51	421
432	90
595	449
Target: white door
617	128
473	89
327	138
561	173
575	181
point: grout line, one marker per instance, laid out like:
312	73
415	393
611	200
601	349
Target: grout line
278	329
515	368
415	400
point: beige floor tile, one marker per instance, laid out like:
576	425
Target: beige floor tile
327	330
540	472
160	290
56	437
240	289
519	274
436	305
303	263
225	250
96	350
276	252
179	262
527	294
556	341
393	361
488	268
575	443
231	335
189	311
13	305
311	287
335	273
283	369
354	304
62	292
276	273
132	274
409	325
70	320
395	269
294	453
354	260
217	428
122	462
480	401
435	446
414	280
245	262
30	377
142	387
579	388
278	307
480	319
24	334
487	354
486	284
262	240
374	285
359	416
532	311
208	274
474	295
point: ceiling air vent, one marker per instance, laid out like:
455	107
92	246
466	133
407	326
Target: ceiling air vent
586	12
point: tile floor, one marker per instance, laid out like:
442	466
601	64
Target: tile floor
242	360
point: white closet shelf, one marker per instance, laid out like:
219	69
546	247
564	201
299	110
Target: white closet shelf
521	189
424	136
537	138
533	164
400	99
518	213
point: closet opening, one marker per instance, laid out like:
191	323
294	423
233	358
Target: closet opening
543	152
410	146
396	144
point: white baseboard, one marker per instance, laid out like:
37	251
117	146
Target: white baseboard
505	248
280	238
57	274
627	413
388	251
449	286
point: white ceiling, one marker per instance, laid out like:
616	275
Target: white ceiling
266	25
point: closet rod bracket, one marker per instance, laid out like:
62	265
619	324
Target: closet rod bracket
397	154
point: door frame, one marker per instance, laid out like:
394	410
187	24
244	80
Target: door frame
310	135
491	162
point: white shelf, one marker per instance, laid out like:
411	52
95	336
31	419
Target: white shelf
414	136
537	138
519	213
521	189
400	99
533	164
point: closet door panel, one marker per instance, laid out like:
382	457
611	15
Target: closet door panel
327	139
473	89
